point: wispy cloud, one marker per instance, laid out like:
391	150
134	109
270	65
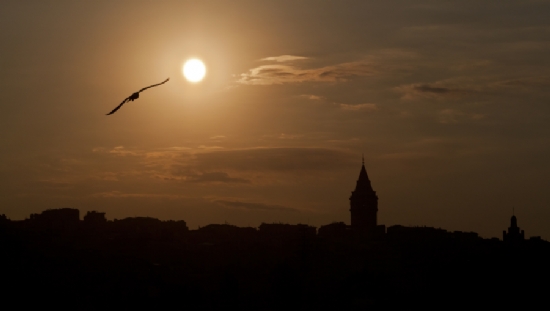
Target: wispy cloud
51	184
429	90
273	159
254	206
216	177
289	136
448	116
223	166
107	176
210	147
280	74
119	194
407	155
119	151
311	96
358	107
285	69
284	58
527	83
466	86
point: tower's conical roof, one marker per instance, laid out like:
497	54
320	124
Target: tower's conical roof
363	183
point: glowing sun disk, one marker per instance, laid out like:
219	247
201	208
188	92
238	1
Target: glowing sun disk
194	70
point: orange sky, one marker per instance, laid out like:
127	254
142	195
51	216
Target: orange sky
448	102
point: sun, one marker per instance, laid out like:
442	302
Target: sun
194	70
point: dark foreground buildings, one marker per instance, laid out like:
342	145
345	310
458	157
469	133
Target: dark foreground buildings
54	259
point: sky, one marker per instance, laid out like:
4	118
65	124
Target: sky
447	100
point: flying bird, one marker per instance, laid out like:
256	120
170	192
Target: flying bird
135	96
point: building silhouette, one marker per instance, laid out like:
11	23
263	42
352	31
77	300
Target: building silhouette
514	233
287	231
95	218
61	219
364	206
338	230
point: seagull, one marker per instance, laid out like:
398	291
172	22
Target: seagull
135	96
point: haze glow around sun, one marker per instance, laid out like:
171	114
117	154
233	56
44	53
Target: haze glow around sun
194	70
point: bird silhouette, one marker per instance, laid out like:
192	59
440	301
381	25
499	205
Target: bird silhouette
135	96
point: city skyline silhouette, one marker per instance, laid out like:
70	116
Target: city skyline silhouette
363	219
143	262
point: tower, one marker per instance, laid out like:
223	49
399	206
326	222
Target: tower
363	204
514	233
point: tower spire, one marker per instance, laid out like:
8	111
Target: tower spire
363	159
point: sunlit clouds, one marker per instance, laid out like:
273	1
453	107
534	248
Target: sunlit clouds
254	206
280	74
311	96
450	116
283	58
220	165
358	107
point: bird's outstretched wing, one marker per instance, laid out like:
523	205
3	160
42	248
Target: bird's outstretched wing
143	89
135	96
118	107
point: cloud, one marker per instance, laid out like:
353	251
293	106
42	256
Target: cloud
217	137
51	184
283	58
187	172
254	206
210	147
382	62
464	86
225	166
107	176
526	84
311	97
212	177
118	194
358	107
472	65
289	136
280	74
274	159
449	116
119	151
429	90
407	155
